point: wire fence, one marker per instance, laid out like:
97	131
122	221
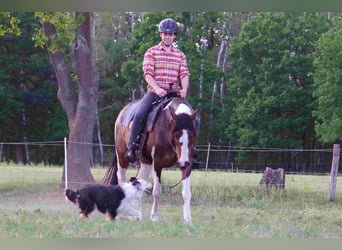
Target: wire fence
213	157
249	159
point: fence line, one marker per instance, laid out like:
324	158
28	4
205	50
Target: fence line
198	146
218	157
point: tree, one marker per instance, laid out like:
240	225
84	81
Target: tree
271	80
328	84
27	86
78	88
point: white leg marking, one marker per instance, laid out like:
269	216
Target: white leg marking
145	171
121	174
186	193
130	214
184	140
82	216
156	193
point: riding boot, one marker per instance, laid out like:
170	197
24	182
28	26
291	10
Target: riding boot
131	154
133	142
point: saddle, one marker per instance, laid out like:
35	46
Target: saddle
156	108
152	117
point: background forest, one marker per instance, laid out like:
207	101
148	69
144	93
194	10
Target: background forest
259	80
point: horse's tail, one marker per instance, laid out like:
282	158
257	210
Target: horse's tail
111	176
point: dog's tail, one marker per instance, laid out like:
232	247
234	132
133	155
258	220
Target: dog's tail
71	195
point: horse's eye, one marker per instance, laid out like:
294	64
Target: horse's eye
177	134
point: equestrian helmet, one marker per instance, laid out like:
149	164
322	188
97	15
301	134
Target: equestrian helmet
168	25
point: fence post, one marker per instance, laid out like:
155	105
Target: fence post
334	171
1	150
206	164
65	163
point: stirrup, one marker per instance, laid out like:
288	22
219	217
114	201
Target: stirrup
131	154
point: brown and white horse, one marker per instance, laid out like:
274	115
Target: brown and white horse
171	142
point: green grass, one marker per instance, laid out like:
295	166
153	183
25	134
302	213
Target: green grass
224	205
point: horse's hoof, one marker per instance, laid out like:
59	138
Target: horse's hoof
187	221
154	218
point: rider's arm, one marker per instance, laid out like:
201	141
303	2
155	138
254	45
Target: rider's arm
153	86
185	85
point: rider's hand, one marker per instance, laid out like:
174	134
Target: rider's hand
182	93
160	92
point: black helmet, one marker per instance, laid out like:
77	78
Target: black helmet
168	25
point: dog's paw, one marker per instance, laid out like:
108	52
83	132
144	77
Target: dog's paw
82	216
109	217
135	218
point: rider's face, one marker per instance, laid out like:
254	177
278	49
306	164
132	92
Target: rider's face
167	38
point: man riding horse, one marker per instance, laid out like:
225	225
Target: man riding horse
164	66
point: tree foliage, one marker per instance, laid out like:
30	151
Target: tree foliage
328	84
27	86
272	80
279	87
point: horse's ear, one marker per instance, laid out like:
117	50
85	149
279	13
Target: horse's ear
193	116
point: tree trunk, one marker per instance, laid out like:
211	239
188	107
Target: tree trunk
81	110
19	154
212	112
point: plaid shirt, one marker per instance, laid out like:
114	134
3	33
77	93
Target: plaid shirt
165	67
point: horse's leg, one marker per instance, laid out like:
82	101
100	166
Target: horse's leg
186	193
156	193
156	189
122	165
121	174
145	170
144	173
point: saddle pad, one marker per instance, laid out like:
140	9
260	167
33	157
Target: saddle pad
131	110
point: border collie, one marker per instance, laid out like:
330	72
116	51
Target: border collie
116	201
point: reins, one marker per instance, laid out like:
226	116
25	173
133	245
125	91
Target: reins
175	185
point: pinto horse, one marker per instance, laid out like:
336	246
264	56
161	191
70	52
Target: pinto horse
170	142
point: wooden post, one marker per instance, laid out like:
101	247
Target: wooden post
65	163
206	164
334	171
273	178
1	150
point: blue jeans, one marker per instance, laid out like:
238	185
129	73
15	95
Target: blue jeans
141	115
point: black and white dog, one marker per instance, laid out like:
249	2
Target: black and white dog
116	201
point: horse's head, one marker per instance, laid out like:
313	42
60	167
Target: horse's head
183	133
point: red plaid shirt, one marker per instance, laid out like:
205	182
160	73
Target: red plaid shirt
165	67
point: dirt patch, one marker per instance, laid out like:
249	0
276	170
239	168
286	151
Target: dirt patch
52	200
53	197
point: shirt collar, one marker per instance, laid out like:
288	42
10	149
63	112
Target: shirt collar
161	47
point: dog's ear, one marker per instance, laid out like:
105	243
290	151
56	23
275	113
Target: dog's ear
136	183
132	179
72	195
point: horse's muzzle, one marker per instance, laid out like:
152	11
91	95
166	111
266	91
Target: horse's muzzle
185	165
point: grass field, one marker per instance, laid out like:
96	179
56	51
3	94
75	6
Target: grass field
224	205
